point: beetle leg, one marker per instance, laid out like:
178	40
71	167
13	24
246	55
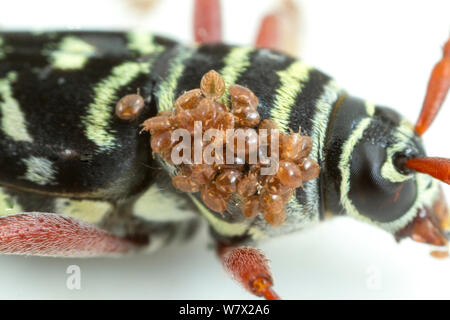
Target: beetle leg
249	267
47	234
438	86
207	21
278	29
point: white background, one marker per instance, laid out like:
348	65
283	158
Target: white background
381	50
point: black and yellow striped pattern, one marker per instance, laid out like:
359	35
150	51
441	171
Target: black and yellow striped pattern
292	93
58	130
360	177
60	89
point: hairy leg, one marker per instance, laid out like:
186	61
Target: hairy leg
250	268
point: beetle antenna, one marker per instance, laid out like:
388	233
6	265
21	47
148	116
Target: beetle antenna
438	168
438	86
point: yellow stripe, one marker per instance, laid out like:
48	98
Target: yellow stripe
13	122
158	204
345	158
323	106
425	197
236	62
402	135
344	165
292	81
39	170
101	110
143	42
370	108
166	91
71	54
89	211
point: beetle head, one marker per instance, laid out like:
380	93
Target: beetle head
378	186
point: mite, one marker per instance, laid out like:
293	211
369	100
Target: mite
85	129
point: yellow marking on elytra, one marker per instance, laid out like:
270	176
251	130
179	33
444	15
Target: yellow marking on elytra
156	204
39	170
13	122
292	79
235	63
143	42
100	111
72	53
8	204
166	90
89	211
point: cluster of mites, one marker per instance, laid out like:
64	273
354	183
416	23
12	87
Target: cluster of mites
219	182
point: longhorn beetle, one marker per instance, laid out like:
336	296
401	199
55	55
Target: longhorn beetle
76	180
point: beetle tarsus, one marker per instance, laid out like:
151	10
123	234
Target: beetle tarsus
250	268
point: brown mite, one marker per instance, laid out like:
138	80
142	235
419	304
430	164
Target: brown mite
212	85
218	182
129	107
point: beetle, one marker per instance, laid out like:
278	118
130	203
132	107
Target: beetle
43	178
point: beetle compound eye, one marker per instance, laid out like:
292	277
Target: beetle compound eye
242	180
129	107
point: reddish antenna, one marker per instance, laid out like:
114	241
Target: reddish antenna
438	86
438	168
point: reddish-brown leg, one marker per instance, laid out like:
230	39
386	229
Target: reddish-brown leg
47	234
438	87
438	168
250	268
207	21
269	32
279	29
